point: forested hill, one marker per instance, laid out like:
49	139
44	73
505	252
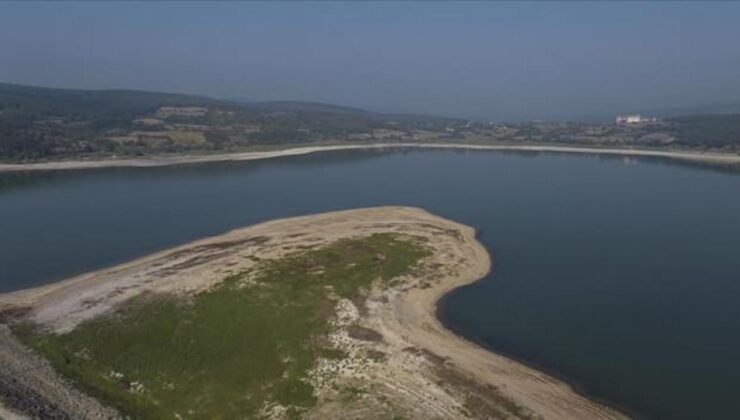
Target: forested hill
709	130
30	101
43	123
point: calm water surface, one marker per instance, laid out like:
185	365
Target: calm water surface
623	275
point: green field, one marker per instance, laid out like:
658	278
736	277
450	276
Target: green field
226	352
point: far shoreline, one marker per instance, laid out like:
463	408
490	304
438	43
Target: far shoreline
712	158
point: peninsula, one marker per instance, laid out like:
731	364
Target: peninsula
319	316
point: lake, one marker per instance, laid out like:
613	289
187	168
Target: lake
620	274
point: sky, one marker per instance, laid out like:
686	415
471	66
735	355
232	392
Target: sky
492	61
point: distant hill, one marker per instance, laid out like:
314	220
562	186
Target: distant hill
318	107
94	102
730	108
711	130
40	122
300	106
46	123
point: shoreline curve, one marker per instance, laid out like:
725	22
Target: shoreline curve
406	318
157	161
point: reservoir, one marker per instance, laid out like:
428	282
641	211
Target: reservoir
619	274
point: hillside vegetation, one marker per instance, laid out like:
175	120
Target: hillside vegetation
44	123
721	130
47	124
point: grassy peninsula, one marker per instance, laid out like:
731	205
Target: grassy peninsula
232	350
324	316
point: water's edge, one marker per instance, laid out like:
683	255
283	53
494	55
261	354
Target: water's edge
577	387
686	156
437	311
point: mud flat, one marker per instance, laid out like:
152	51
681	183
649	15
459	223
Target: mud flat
688	156
397	358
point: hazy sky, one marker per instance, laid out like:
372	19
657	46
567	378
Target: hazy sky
481	60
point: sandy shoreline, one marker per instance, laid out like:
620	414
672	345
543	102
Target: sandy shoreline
710	158
428	368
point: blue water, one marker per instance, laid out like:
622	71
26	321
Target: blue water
622	275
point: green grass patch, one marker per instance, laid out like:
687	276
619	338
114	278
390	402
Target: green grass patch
226	352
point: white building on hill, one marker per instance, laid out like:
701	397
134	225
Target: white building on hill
630	119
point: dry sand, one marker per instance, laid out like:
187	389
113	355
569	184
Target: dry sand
398	350
691	156
8	414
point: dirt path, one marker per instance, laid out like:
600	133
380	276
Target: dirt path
397	347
